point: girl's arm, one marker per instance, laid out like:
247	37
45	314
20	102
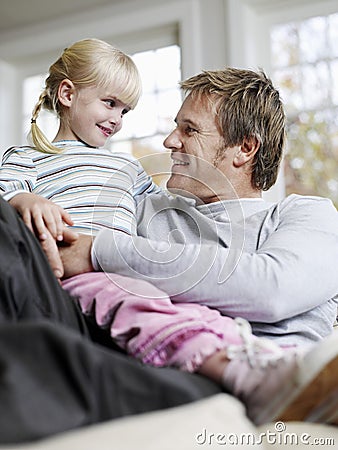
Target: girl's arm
18	180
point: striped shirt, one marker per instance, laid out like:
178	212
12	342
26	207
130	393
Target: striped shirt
94	185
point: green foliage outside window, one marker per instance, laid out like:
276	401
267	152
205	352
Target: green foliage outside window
305	69
311	160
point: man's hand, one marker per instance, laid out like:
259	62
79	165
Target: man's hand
76	256
51	250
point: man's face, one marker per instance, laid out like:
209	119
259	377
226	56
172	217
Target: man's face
196	144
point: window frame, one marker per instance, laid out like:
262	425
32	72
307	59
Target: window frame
252	20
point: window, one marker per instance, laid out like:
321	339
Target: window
32	88
305	68
144	128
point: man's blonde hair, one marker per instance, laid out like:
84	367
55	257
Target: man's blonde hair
246	105
89	62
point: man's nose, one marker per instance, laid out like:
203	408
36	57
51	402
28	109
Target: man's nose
173	141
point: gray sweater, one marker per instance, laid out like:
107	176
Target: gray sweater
274	264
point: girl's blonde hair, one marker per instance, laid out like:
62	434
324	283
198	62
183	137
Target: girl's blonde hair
89	62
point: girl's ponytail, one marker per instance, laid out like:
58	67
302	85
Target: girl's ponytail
39	139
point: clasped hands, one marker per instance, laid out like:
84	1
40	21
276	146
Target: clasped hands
68	253
68	257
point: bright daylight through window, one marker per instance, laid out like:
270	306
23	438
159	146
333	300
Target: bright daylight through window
305	68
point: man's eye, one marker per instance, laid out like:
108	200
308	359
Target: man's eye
190	130
125	111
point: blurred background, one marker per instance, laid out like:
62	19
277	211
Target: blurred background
294	41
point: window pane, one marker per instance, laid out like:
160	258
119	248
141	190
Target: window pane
311	161
334	81
168	71
32	88
145	62
168	104
284	45
309	89
312	39
316	85
289	83
154	115
144	120
333	35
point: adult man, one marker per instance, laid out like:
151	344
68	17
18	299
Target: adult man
230	173
226	149
272	264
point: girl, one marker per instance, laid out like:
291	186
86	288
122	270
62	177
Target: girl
90	88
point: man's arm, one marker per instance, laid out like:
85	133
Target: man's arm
75	255
292	272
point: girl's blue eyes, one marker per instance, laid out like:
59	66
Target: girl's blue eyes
112	104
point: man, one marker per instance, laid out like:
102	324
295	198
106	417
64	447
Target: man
209	167
217	242
273	264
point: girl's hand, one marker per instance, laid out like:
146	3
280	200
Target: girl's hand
41	215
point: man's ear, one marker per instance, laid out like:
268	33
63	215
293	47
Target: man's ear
65	92
246	151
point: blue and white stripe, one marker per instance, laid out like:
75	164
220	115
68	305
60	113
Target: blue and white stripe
96	186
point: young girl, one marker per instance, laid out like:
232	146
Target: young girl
90	88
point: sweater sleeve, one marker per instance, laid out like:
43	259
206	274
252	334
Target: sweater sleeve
293	270
17	173
144	183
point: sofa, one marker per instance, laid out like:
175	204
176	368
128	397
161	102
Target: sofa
216	422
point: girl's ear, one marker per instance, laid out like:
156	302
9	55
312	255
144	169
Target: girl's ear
246	151
65	92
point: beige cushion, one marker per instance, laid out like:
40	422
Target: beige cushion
201	425
171	429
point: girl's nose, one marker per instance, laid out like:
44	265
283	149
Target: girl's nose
116	118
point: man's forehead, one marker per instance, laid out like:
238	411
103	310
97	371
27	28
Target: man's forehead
197	101
195	109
